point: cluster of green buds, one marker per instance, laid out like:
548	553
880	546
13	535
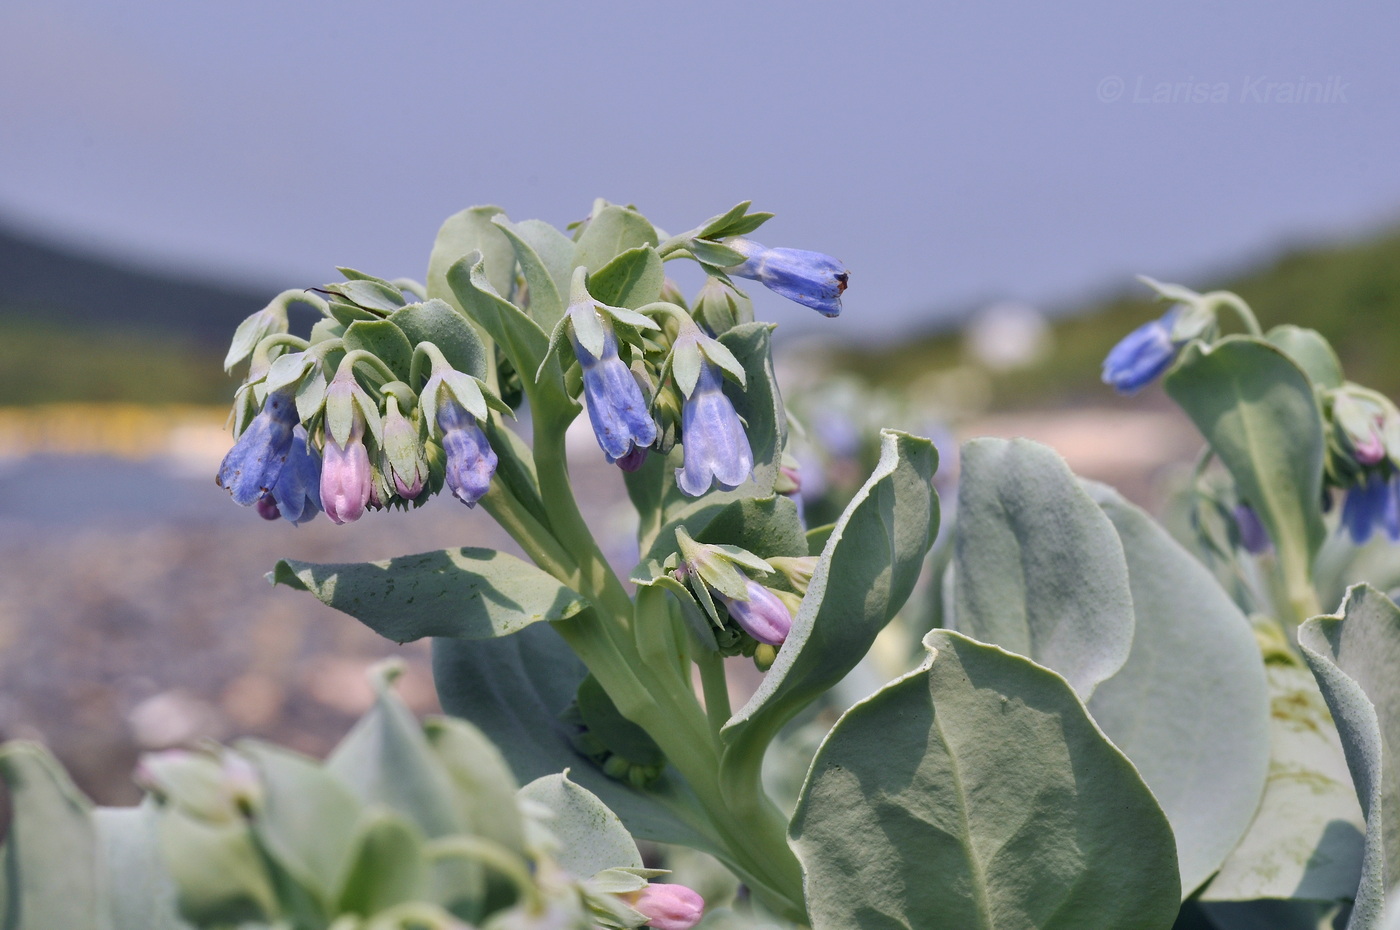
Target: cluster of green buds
755	618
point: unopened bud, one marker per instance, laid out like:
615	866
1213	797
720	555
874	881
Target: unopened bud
670	907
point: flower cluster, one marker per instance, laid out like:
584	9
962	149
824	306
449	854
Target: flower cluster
1363	459
365	439
757	617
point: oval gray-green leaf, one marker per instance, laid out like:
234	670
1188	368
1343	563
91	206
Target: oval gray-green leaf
471	230
467	593
437	322
546	258
864	575
1311	351
610	232
984	798
1038	568
1257	410
1355	657
383	339
592	838
1306	839
50	849
140	892
1190	707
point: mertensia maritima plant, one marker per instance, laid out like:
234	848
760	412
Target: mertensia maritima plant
1096	720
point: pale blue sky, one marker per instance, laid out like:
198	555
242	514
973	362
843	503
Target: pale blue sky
949	154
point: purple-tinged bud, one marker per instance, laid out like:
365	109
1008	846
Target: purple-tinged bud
251	467
715	447
669	907
346	477
1142	355
267	508
789	481
616	408
1253	536
634	460
1371	450
762	614
471	462
403	461
810	278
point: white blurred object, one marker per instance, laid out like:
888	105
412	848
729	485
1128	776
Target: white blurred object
1008	335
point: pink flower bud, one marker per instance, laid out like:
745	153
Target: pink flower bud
346	479
670	907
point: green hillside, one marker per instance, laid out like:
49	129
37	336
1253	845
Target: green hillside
1350	293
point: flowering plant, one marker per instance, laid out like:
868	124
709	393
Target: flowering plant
1103	726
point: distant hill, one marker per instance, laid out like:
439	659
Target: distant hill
1350	293
65	286
77	327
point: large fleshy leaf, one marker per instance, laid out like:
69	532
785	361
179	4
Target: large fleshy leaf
1306	840
866	571
611	230
1257	410
437	322
140	893
307	821
976	793
519	336
50	852
546	258
466	593
1311	351
1356	659
385	759
631	280
592	837
1037	567
471	230
1190	707
514	689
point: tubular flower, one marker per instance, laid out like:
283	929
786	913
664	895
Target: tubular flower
252	466
715	445
616	407
346	477
810	278
1142	355
296	496
471	462
669	907
762	614
1373	502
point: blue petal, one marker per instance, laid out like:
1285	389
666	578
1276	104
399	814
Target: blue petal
252	466
811	278
298	488
471	462
1141	356
713	441
616	408
1371	504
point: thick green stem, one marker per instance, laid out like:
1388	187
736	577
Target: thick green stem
716	688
